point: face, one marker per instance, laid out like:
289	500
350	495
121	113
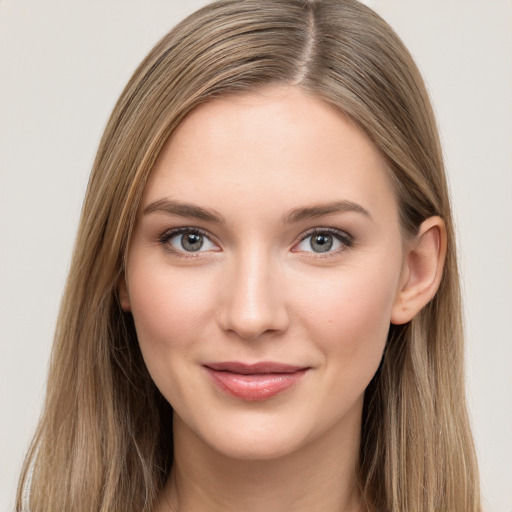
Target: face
263	272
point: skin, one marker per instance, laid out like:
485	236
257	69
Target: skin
258	291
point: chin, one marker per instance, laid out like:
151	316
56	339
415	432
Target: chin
256	448
245	437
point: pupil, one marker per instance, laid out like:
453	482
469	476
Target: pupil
321	243
192	241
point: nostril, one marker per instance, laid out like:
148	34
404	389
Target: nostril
251	323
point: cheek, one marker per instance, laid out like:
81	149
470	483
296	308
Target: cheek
170	311
348	316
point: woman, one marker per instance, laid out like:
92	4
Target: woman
263	308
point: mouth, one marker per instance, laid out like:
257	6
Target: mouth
254	382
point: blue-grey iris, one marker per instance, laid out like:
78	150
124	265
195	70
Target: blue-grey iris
321	242
192	241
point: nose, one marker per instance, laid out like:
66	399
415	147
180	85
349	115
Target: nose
252	303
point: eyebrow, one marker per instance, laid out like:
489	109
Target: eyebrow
172	207
319	210
183	210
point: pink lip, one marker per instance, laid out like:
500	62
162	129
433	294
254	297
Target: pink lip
254	381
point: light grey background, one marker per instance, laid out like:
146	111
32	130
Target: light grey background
62	66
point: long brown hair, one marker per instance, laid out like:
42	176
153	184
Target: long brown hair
104	440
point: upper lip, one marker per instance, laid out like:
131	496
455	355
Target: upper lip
254	368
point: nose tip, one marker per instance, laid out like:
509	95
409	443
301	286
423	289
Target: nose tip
253	305
251	318
250	329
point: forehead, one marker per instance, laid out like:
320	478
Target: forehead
278	146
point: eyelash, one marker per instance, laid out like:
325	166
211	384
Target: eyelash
343	237
168	235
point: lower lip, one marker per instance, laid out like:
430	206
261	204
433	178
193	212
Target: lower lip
256	386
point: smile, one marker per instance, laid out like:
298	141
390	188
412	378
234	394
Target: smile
254	382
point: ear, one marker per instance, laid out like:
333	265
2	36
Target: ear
124	297
422	271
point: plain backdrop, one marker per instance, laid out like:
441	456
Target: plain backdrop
62	66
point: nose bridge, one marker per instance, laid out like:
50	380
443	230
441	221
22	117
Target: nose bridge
254	301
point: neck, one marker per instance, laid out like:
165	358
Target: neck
320	476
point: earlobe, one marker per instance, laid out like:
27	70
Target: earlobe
423	269
124	297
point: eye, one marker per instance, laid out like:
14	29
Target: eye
188	240
324	240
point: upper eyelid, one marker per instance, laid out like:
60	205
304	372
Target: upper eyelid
330	230
177	231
